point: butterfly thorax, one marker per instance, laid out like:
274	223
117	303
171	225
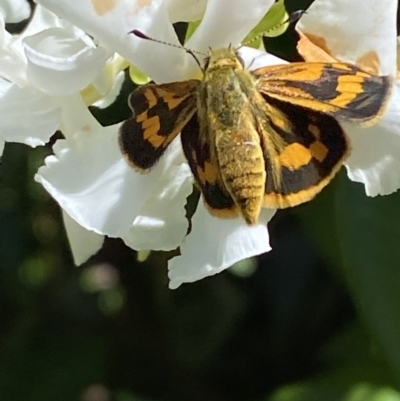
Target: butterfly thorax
226	101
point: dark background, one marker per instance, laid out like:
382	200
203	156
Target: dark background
317	319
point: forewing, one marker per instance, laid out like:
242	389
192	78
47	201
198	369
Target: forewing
196	148
338	89
159	114
303	149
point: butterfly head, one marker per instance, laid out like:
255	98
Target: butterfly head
223	58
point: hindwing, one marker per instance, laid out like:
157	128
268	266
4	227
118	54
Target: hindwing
196	148
303	150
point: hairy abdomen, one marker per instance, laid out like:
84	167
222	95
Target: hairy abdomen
231	130
242	168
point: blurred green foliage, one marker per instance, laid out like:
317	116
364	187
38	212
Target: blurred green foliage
317	318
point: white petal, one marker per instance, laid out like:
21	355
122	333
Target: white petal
12	63
215	244
110	23
375	157
76	117
60	63
110	97
162	223
15	10
92	182
357	31
83	243
44	19
227	22
254	58
26	115
186	10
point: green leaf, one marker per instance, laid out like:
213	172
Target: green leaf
271	25
192	26
369	233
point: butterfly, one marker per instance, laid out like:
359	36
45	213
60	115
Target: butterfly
253	139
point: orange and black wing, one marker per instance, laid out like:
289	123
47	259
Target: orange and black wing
197	151
159	114
338	89
303	149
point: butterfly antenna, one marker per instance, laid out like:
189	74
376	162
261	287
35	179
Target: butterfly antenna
193	53
293	17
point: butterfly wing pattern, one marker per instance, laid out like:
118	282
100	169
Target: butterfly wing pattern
338	89
266	138
206	171
159	114
309	149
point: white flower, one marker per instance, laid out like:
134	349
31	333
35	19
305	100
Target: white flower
15	10
363	33
40	70
91	181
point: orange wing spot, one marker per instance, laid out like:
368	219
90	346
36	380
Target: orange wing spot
314	129
307	74
280	121
151	128
174	102
276	77
152	123
280	201
355	79
294	156
156	140
151	97
348	90
141	117
208	174
318	151
168	98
